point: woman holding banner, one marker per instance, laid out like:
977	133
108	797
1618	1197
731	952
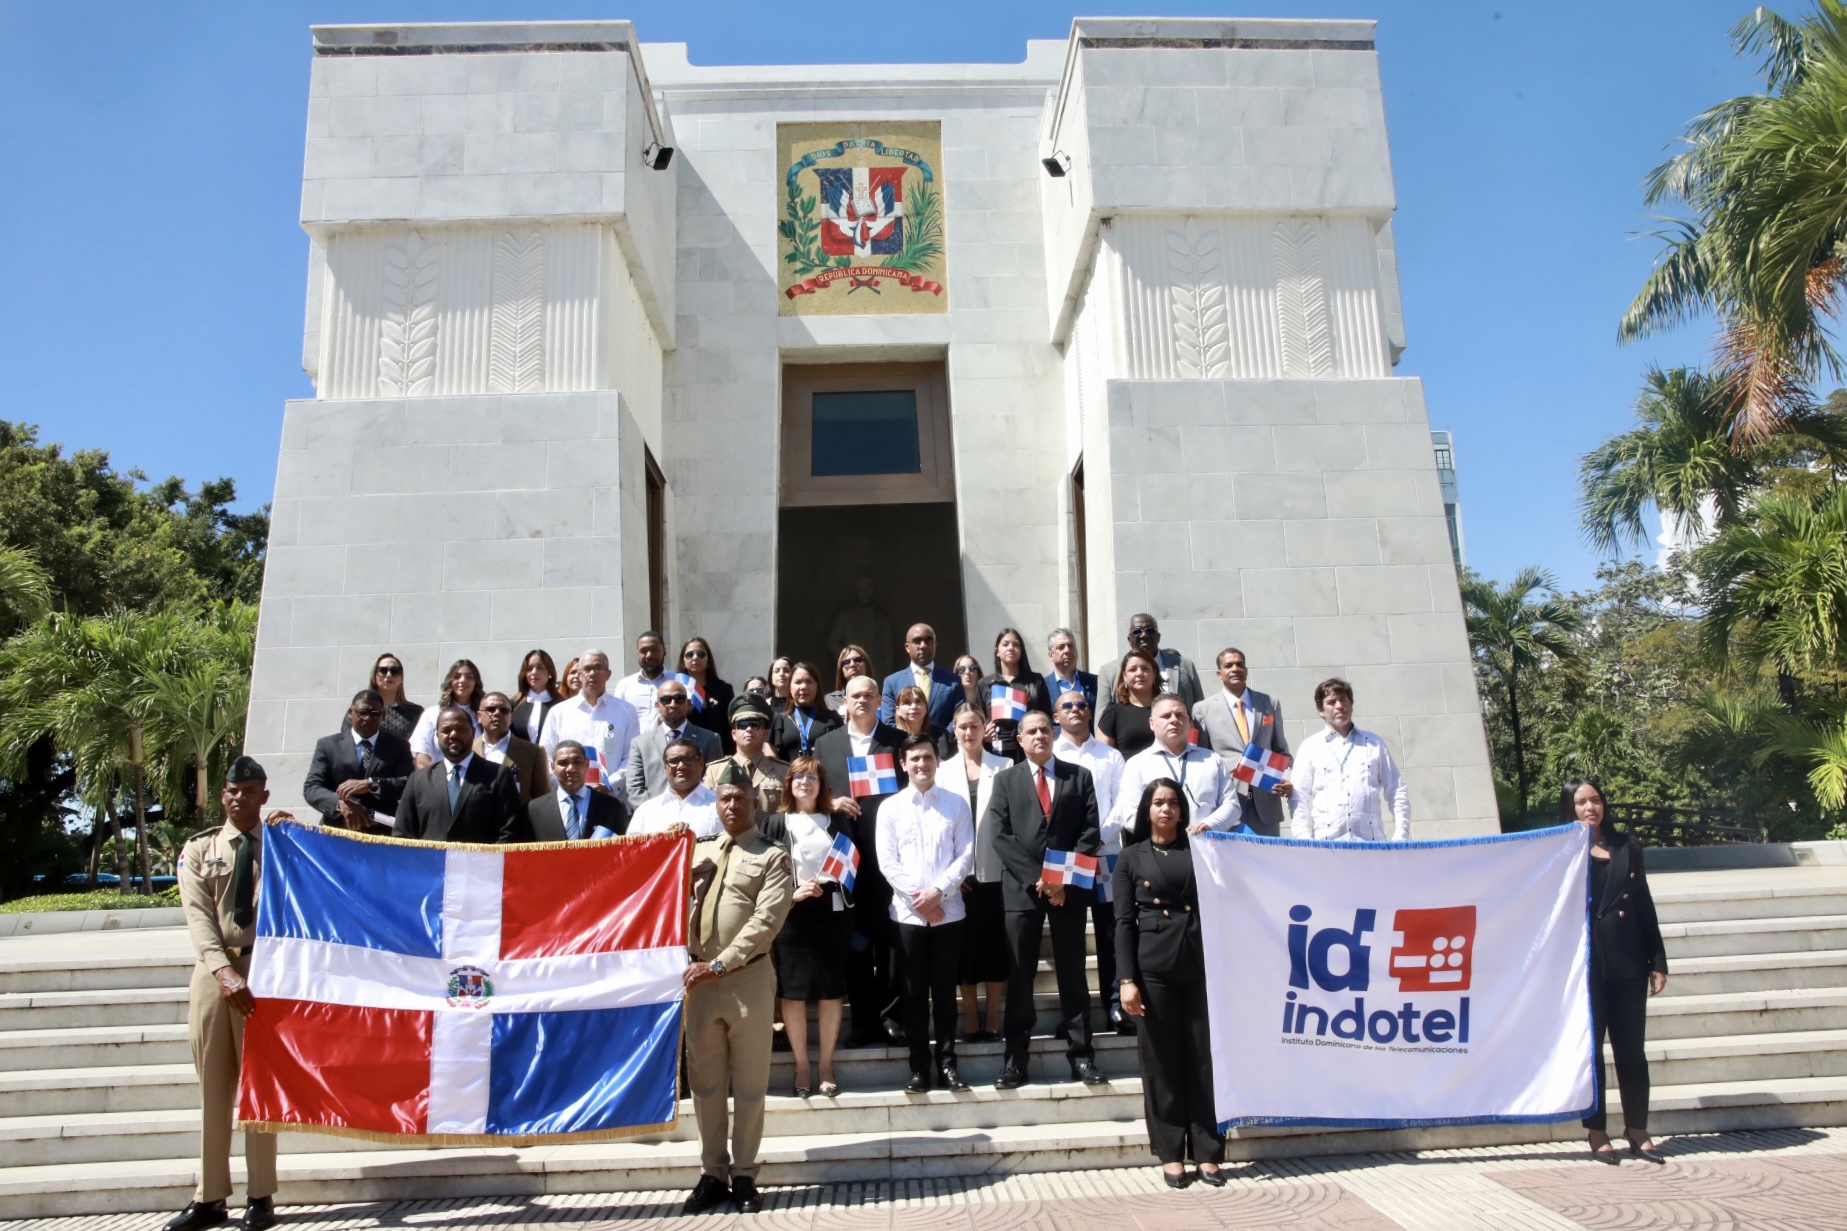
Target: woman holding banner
1161	963
1628	964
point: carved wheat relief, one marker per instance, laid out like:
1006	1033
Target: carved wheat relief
1202	331
516	327
1306	333
407	333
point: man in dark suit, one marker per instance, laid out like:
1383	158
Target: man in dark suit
873	983
647	771
1044	804
359	773
463	797
942	687
498	743
1064	677
1231	720
574	811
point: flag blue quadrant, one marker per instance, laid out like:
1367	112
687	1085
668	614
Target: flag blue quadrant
585	1070
321	886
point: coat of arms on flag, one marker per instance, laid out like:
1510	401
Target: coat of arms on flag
842	863
460	995
1006	702
862	218
1069	868
872	775
1261	768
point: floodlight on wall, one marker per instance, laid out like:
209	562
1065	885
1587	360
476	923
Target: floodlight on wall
657	156
1058	165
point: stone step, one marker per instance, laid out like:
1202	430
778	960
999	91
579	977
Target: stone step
94	1046
1730	937
150	1006
77	974
1757	972
1779	894
1727	1013
88	1091
1745	1057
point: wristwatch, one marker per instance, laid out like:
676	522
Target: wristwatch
716	967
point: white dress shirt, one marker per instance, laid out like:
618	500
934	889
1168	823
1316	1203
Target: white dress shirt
1105	765
535	720
1210	799
423	735
497	753
860	745
638	690
1339	782
952	776
698	811
926	840
609	727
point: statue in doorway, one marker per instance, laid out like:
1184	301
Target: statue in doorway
862	624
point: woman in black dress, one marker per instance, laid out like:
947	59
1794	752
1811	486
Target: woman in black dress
1161	965
1628	964
805	718
538	682
696	661
1124	725
401	714
1011	671
780	667
811	950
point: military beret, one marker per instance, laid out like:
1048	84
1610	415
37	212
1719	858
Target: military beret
245	769
749	705
732	774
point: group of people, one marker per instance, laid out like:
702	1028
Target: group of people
965	796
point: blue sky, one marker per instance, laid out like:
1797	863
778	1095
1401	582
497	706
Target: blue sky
151	280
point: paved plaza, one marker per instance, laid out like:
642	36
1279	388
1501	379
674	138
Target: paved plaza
1794	1179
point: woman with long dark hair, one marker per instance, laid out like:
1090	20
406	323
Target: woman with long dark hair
1628	964
1161	967
780	668
1012	673
805	718
461	687
538	683
696	661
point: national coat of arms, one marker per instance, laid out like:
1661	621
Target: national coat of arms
470	986
862	218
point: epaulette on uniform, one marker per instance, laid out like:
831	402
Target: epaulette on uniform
203	833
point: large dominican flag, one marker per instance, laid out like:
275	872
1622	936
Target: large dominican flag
466	994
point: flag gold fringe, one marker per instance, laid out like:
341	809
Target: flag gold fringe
464	1139
284	818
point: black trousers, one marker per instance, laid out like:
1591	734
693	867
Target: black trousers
873	980
1103	923
1175	1041
1025	930
1621	1007
932	958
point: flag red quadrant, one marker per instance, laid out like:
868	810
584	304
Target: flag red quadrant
339	1065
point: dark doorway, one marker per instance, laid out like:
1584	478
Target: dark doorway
908	551
657	545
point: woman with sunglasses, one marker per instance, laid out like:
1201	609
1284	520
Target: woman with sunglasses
696	661
812	950
537	677
853	661
1013	676
461	688
804	718
401	714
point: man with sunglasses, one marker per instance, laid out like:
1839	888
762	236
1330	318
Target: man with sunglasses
356	775
750	732
1077	746
940	686
497	743
647	771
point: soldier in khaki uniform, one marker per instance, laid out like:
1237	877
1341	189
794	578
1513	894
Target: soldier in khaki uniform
742	889
218	874
764	771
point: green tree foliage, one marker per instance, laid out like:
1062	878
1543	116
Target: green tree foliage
1516	628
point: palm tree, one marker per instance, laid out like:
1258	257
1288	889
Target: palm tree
1763	250
1519	627
197	712
25	587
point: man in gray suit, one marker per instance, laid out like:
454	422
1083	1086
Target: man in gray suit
1178	676
647	777
1234	718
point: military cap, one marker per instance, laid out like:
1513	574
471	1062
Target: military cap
749	705
730	773
245	769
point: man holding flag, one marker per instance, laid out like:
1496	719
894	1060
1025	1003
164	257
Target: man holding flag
1236	719
1044	814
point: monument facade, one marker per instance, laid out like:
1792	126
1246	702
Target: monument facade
604	340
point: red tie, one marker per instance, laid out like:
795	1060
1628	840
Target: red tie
1045	794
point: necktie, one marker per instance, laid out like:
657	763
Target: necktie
576	829
673	735
368	762
244	882
923	679
1237	712
708	914
1045	793
455	786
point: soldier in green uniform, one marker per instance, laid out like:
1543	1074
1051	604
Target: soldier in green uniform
742	889
764	771
218	874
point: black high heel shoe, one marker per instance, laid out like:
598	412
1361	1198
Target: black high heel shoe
1649	1153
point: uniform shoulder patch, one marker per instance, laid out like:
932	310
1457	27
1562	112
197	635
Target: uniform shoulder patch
204	833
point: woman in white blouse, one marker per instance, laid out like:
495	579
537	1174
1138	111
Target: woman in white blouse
462	688
811	951
970	774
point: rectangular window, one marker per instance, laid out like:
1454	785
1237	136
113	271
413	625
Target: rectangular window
865	432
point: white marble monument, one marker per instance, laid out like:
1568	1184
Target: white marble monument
1111	329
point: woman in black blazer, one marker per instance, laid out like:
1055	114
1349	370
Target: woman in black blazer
804	717
1161	965
538	692
1628	964
696	660
1011	670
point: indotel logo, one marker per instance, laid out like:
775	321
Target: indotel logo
1433	964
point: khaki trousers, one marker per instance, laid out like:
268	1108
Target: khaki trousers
217	1035
729	1029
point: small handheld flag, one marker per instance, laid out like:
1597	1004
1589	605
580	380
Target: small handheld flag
1261	768
597	774
694	693
873	775
1007	703
1069	868
842	863
1106	878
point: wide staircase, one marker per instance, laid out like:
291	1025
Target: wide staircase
98	1102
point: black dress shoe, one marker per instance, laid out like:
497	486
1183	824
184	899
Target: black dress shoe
1214	1178
1121	1022
709	1192
949	1079
918	1084
894	1034
1175	1181
199	1214
1010	1079
259	1214
1087	1072
744	1195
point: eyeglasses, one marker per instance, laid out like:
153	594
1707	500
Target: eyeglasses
496	709
366	713
853	660
750	724
388	671
1074	706
812	779
680	760
696	654
968	669
673	700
